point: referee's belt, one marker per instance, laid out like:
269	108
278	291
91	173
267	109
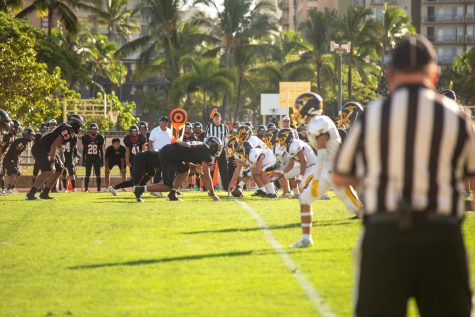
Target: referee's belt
408	219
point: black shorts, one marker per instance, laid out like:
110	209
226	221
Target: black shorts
11	167
171	164
41	157
117	163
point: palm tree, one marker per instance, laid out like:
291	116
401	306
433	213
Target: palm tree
116	16
62	9
318	30
205	76
239	22
394	25
10	5
360	28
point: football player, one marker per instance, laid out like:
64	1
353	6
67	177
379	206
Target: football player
261	161
324	138
5	120
146	165
449	94
52	124
244	133
93	155
71	158
198	132
351	112
188	133
261	130
10	161
176	159
114	155
143	129
7	139
51	168
134	144
36	166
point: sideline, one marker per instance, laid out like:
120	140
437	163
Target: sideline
304	283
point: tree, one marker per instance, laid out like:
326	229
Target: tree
394	25
29	92
10	5
116	16
460	77
207	77
238	23
360	28
62	9
318	30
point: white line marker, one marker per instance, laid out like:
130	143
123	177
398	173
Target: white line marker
304	283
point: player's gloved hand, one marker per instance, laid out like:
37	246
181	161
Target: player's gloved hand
213	196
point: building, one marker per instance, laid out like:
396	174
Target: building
448	24
295	12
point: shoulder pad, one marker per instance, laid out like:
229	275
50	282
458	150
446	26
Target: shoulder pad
319	125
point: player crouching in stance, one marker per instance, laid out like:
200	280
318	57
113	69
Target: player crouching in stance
176	158
261	161
45	153
324	138
10	161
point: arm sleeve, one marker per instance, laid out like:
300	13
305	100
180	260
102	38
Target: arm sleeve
346	157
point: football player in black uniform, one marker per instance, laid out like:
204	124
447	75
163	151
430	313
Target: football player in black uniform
71	158
5	143
198	132
36	167
5	124
143	129
93	155
115	155
188	133
10	162
176	159
146	165
45	154
134	144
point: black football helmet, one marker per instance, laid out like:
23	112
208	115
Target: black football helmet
5	120
197	127
15	127
270	137
448	93
351	112
214	145
244	132
93	128
133	129
43	128
232	146
306	104
271	126
143	126
243	150
76	121
285	137
28	134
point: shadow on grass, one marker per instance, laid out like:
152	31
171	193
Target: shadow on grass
287	226
173	259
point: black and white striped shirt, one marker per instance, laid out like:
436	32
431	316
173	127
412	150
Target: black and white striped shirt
417	147
219	131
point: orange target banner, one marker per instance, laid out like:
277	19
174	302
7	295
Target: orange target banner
178	118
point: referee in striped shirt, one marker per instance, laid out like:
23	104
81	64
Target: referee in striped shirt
219	130
411	154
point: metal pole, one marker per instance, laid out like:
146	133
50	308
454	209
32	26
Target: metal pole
340	94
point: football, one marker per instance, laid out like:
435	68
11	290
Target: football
237	192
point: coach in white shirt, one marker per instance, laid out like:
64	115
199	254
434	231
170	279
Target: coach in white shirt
160	136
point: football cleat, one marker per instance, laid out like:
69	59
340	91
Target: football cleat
138	191
324	197
9	192
172	196
302	243
259	193
28	197
286	195
112	190
271	196
46	197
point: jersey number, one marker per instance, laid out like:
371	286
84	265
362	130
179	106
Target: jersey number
92	149
135	149
65	134
67	147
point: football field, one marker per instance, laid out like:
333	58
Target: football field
99	255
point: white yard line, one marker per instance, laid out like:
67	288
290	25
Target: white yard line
303	281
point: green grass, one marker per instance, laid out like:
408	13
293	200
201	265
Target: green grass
98	255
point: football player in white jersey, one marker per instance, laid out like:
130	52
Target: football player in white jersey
286	181
262	163
324	138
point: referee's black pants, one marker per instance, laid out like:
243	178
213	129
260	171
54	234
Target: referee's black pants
223	170
427	261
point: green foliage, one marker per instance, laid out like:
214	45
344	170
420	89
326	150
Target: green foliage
125	111
460	77
28	90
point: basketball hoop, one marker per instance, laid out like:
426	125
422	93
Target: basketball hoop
113	116
273	110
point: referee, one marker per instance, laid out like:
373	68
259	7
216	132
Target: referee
219	130
411	154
